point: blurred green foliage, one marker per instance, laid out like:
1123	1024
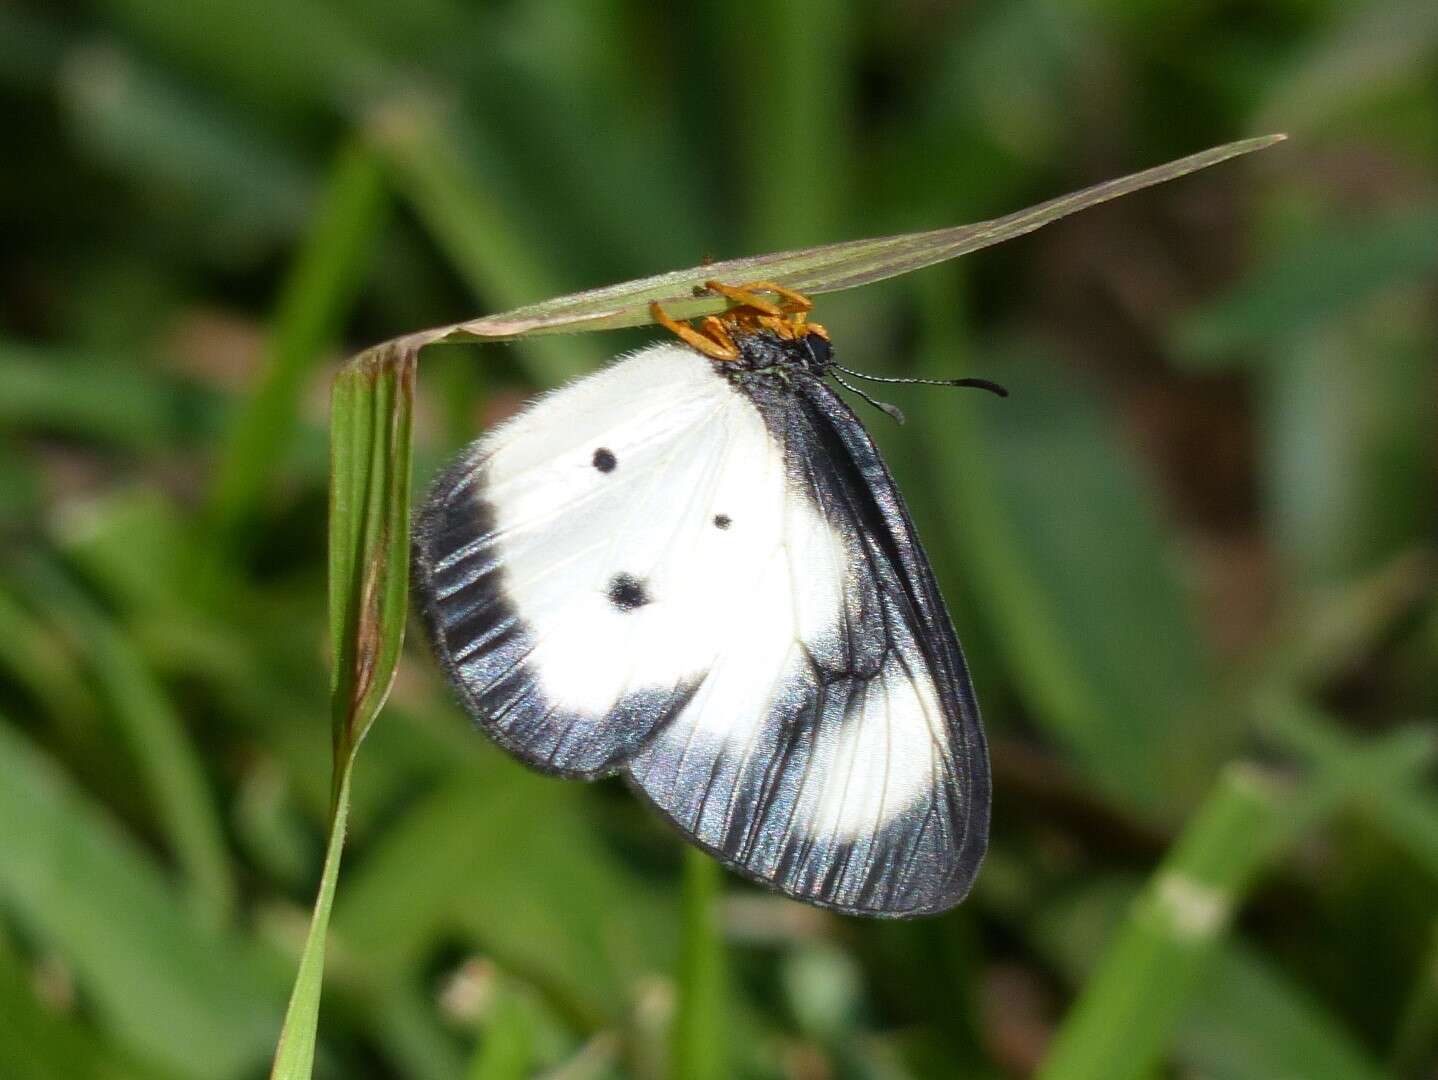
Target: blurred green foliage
1191	557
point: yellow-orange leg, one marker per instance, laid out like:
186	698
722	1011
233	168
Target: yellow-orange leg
718	331
794	301
744	298
814	328
717	350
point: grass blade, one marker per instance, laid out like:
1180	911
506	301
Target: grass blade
1092	617
185	996
168	759
1121	1023
371	415
1416	1036
1399	803
815	270
319	291
38	1044
1131	1004
1249	1021
295	1054
68	394
469	221
790	125
699	1039
506	1047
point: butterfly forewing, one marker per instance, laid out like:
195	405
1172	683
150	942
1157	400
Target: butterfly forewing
552	562
711	583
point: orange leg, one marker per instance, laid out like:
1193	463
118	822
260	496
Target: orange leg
744	298
793	301
718	331
716	349
778	325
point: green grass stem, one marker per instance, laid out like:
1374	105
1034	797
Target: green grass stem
314	301
699	1045
371	416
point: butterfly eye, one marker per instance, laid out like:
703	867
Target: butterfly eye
722	521
604	459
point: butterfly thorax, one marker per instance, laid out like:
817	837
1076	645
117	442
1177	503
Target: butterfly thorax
765	353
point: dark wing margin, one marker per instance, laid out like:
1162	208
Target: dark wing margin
483	645
756	811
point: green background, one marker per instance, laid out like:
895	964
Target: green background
1191	557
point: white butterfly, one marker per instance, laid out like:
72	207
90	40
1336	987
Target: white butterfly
696	570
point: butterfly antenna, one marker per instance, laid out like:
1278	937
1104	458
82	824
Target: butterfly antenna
977	384
891	411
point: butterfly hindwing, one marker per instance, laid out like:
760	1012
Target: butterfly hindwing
861	783
711	583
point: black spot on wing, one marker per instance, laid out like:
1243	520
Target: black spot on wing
604	459
485	647
722	521
627	592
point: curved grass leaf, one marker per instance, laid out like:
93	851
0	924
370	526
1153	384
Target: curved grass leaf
815	270
371	413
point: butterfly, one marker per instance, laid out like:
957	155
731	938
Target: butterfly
692	568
